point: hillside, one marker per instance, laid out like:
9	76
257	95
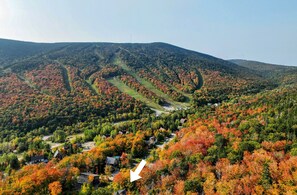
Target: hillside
283	74
15	51
77	117
244	146
57	84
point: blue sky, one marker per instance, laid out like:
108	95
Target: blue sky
264	30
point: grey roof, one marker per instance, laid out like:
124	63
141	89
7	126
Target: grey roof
82	180
84	177
56	153
37	158
183	120
111	161
89	174
120	192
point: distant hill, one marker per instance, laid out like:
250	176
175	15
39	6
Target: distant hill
13	51
272	71
52	84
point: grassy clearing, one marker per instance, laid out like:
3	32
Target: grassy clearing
131	92
30	84
150	86
67	79
92	87
66	76
189	96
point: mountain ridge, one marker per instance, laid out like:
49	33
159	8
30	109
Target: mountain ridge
281	73
104	78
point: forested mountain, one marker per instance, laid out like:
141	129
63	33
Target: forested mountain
14	51
75	118
52	85
282	74
261	66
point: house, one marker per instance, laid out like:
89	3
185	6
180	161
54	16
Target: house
152	140
183	120
67	146
162	129
79	145
38	159
113	161
216	104
113	174
86	176
87	146
58	154
120	192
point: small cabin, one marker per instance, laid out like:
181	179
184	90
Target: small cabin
58	154
121	192
113	161
85	178
38	159
152	140
66	146
216	104
79	145
183	120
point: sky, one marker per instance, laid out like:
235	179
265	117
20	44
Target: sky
263	30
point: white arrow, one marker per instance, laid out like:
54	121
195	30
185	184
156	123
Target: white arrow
134	175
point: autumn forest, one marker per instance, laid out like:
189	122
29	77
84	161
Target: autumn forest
75	118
